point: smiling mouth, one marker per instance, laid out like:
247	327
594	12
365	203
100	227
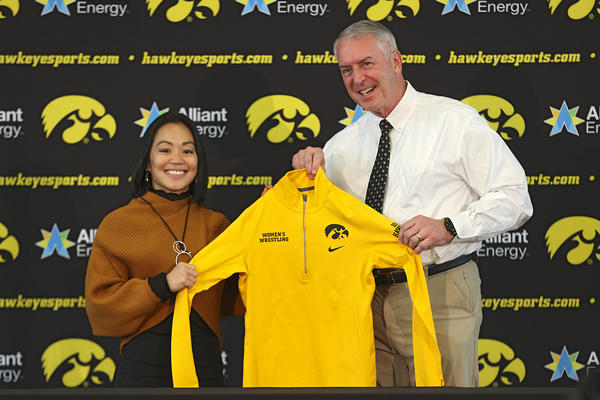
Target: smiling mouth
366	91
175	172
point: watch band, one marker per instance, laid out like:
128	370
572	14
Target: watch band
449	226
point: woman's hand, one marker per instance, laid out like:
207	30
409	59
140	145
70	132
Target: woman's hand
183	275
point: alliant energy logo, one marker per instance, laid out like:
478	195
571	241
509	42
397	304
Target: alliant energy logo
575	238
498	364
9	8
511	245
575	10
11	366
9	245
281	118
314	8
57	241
11	123
565	119
78	119
82	7
352	115
180	10
336	235
513	8
76	362
148	116
269	237
499	113
384	8
564	363
210	123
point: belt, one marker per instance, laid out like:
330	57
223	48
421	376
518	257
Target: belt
392	278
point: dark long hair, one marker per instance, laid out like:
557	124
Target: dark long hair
198	185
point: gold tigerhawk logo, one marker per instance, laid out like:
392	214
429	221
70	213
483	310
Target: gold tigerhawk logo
499	114
85	361
383	8
185	8
581	234
580	9
498	365
9	246
282	117
87	119
9	5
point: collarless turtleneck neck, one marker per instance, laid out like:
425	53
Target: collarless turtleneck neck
170	196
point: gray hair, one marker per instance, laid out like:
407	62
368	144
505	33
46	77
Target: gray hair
358	30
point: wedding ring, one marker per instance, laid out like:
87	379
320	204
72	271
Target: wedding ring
419	236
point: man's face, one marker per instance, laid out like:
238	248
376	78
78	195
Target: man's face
373	81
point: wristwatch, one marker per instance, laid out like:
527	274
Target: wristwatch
449	226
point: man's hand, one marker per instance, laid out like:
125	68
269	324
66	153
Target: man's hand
183	275
422	233
310	158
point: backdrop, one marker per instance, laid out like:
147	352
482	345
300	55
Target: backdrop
82	78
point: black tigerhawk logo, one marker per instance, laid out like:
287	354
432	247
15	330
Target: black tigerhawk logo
336	233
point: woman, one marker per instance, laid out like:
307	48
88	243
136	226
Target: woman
139	260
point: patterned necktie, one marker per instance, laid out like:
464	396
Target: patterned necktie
378	179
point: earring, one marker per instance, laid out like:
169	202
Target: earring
147	176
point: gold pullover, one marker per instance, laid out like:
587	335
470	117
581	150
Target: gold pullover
305	252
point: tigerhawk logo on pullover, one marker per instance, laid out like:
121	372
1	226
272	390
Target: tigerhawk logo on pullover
305	252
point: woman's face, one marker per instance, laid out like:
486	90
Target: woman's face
173	160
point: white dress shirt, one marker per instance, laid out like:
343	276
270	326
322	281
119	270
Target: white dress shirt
445	162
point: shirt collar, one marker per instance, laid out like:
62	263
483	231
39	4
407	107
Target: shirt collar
399	115
291	188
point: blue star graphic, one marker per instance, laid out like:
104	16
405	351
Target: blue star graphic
252	4
358	112
55	243
58	4
452	4
564	119
154	113
564	365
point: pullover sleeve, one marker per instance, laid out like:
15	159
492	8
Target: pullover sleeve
217	261
115	303
381	236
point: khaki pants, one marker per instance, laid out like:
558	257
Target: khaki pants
456	306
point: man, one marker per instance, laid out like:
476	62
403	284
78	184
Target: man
441	172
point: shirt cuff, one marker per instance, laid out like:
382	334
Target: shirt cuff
160	287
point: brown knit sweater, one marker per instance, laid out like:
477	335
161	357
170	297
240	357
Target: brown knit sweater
131	245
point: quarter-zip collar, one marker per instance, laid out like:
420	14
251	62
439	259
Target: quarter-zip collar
294	184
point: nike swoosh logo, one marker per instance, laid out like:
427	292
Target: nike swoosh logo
334	249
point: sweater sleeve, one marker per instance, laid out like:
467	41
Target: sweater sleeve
116	304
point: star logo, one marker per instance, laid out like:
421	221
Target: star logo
450	5
261	5
55	241
352	115
564	363
60	5
149	116
564	118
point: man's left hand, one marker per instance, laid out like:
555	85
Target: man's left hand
422	233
